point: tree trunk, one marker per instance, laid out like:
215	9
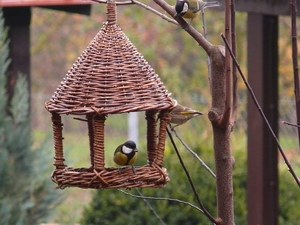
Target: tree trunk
221	132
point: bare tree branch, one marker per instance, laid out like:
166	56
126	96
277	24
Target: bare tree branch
234	70
150	206
206	45
204	24
117	3
262	113
228	92
159	198
295	61
205	36
208	215
194	154
162	15
221	136
291	124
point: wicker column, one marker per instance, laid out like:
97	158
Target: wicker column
58	141
151	135
90	123
164	119
99	142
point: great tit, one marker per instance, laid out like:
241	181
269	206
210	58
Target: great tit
181	114
126	154
191	8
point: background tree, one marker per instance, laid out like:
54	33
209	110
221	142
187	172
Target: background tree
25	189
110	207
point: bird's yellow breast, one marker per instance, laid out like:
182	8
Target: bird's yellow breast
132	160
122	159
190	15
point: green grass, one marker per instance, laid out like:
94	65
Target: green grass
289	142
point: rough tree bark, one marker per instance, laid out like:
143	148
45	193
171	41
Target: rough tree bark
219	115
221	133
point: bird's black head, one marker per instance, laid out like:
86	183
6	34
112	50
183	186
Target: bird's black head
181	7
130	144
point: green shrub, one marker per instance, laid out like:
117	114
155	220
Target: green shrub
113	207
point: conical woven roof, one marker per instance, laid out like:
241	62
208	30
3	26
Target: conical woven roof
110	76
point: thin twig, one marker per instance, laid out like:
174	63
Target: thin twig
295	61
204	24
80	119
205	36
162	15
194	154
291	124
160	198
132	2
262	113
234	71
150	206
226	117
206	45
117	3
208	215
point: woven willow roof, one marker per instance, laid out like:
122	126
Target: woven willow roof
110	76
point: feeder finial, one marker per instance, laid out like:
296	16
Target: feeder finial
111	14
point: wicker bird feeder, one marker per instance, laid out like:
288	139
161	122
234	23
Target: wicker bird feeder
111	77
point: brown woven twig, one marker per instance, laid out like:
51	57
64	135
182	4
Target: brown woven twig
111	77
164	119
145	176
111	12
58	141
151	135
90	121
99	142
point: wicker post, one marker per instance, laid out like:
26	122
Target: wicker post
90	123
164	119
99	142
111	16
58	141
151	135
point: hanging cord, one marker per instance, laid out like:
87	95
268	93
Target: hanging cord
150	207
208	215
194	154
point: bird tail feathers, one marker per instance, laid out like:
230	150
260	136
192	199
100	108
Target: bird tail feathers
209	4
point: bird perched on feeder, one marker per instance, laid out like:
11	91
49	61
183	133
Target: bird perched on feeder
126	154
181	114
190	9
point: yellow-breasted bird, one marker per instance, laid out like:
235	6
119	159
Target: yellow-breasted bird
181	114
190	9
126	154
